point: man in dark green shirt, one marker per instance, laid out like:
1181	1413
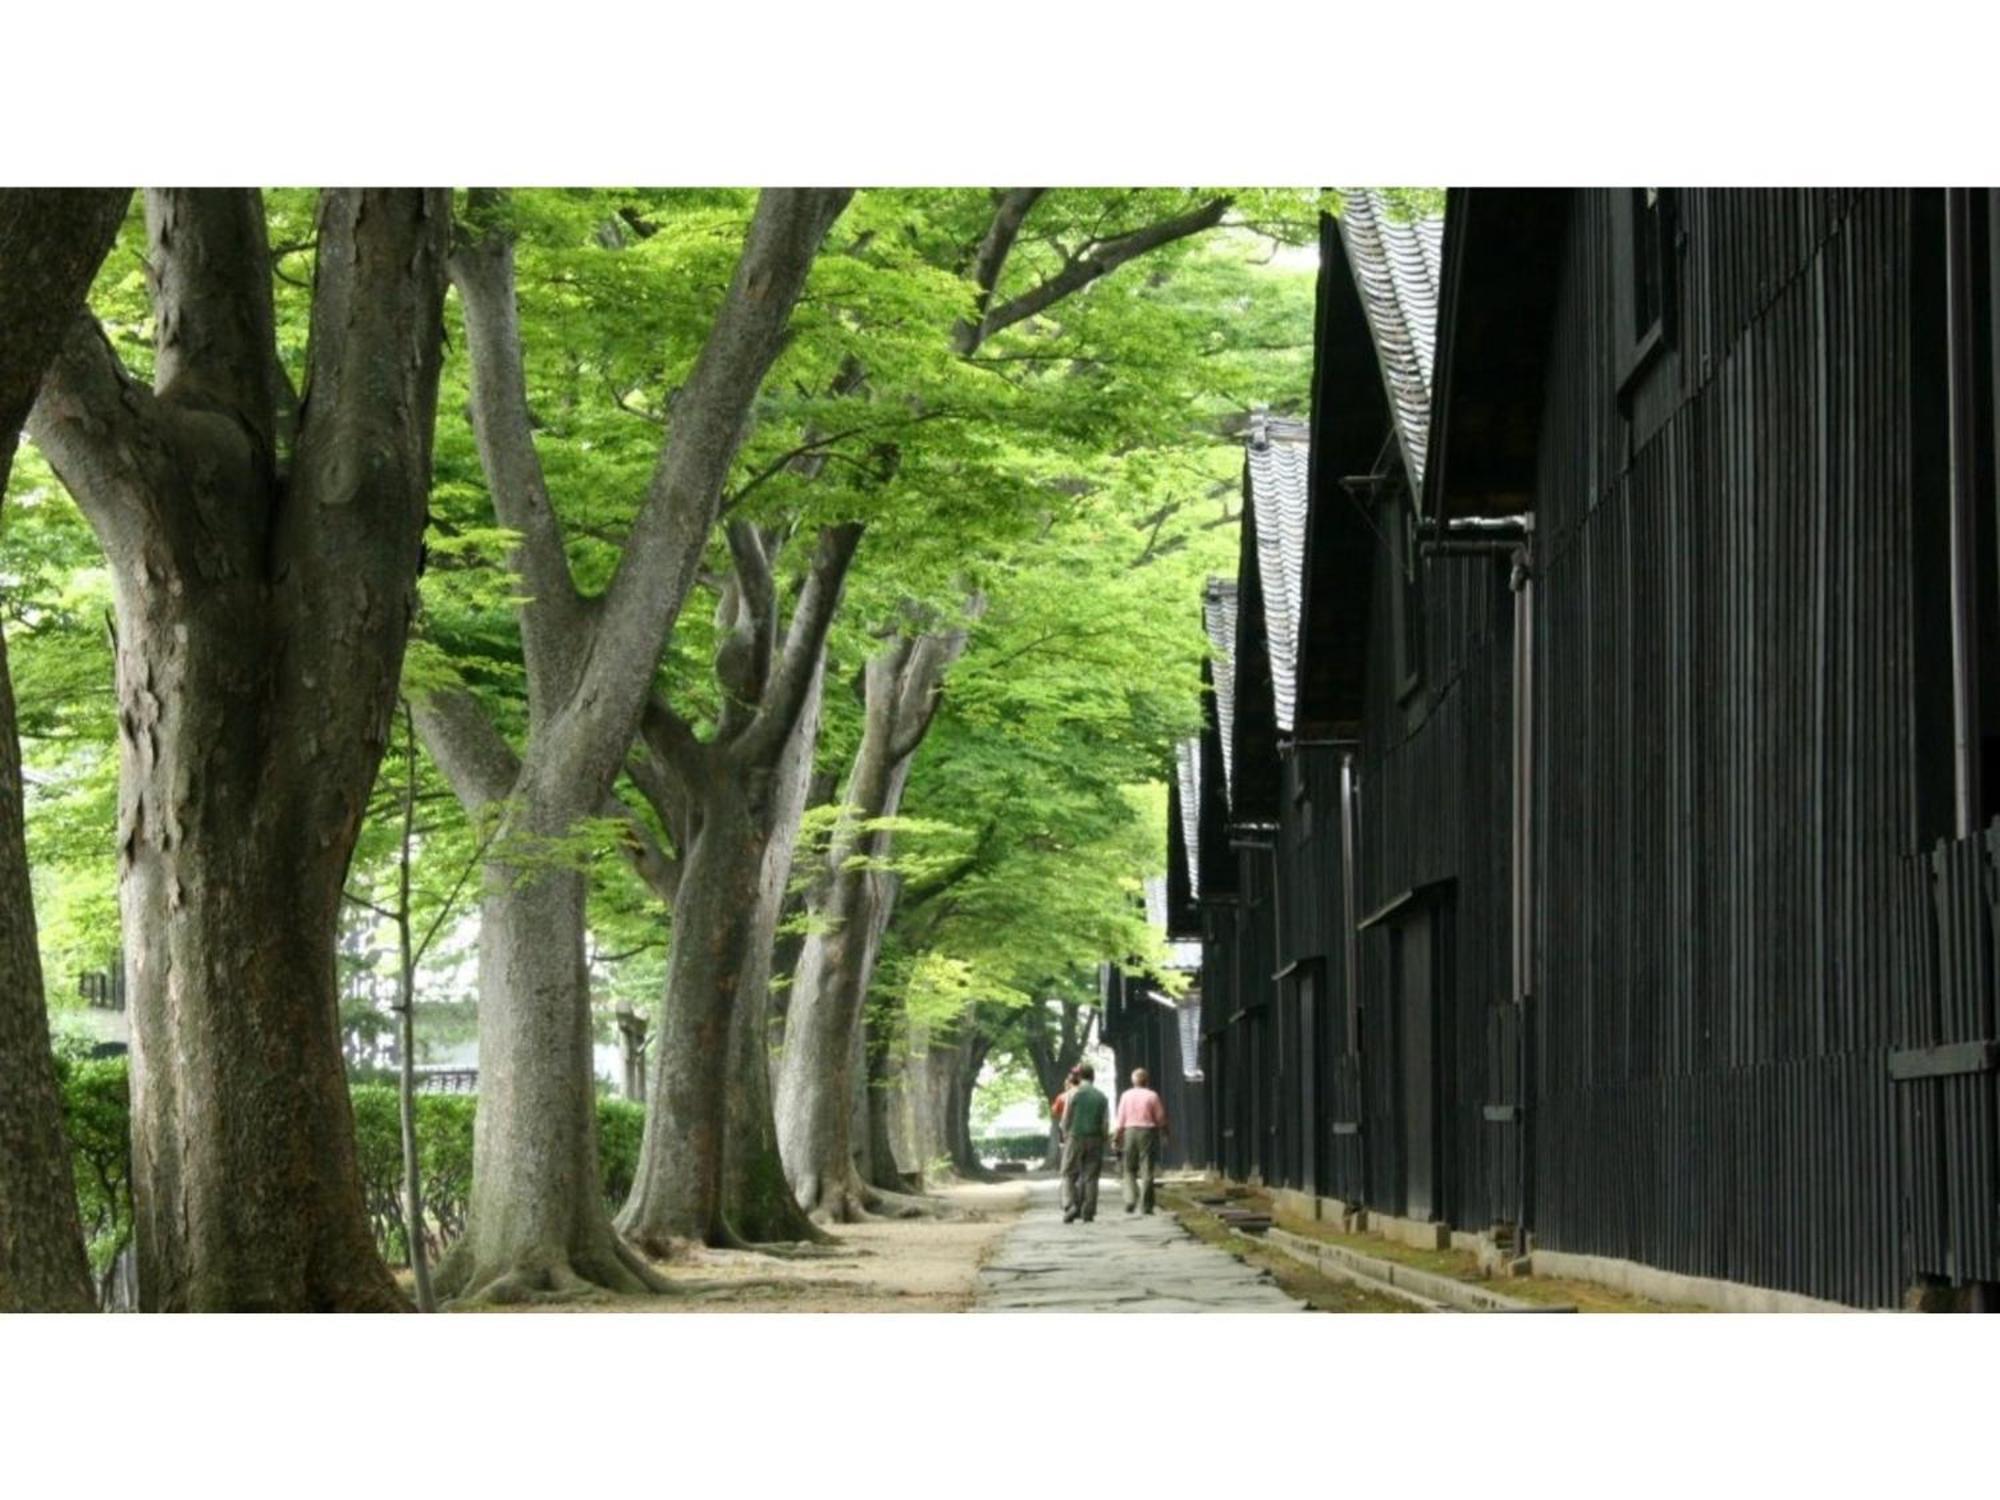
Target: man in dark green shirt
1087	1122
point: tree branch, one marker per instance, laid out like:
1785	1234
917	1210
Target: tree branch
811	447
215	326
805	639
1097	261
52	240
673	739
920	691
100	430
660	871
482	769
474	756
482	268
346	540
663	551
990	259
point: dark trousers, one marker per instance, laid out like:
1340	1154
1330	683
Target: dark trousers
1083	1160
1139	1158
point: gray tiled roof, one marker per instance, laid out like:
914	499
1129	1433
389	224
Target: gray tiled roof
1277	460
1395	260
1219	614
1180	955
1187	784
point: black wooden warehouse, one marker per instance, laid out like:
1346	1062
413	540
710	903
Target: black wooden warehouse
1146	1029
1591	834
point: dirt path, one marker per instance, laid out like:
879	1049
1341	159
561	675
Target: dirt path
884	1266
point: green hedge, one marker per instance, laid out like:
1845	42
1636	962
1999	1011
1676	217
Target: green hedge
98	1117
1017	1147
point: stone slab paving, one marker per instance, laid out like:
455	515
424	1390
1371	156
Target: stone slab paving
1121	1263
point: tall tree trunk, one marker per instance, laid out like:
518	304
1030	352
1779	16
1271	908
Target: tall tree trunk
757	1201
816	1078
537	1214
539	1228
969	1059
941	1076
815	1119
42	1264
789	945
51	244
887	1082
708	1170
677	1195
262	609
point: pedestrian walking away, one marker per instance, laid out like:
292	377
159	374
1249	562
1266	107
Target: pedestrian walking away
1087	1118
1140	1132
1057	1106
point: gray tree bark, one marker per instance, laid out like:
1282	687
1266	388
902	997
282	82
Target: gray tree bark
51	244
757	1201
264	557
887	1067
816	1081
968	1057
707	1171
537	1224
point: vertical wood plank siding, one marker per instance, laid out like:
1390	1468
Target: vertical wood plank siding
1731	913
1741	910
1143	1033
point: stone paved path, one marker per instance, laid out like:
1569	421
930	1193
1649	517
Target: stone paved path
1121	1263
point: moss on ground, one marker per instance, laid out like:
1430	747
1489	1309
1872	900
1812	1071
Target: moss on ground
1320	1292
1461	1265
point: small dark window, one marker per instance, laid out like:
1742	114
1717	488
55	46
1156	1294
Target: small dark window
1955	395
1645	235
1405	597
1648	263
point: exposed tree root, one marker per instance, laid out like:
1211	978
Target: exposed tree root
829	1249
611	1269
672	1247
770	1217
857	1202
887	1205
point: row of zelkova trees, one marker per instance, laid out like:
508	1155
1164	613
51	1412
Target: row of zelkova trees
673	524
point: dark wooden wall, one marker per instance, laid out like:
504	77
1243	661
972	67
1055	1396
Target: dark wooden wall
1748	911
1737	701
1434	820
1143	1033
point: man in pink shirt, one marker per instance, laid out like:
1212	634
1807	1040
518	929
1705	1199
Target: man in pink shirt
1136	1136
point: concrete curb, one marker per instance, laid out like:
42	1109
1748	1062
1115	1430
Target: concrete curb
1439	1291
1674	1287
1353	1275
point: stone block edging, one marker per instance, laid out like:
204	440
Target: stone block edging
1428	1286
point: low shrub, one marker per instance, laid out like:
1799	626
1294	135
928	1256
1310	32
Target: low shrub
1020	1146
97	1118
444	1160
97	1115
